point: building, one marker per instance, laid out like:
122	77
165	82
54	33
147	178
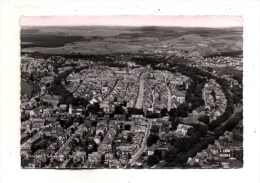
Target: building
94	158
78	110
182	129
51	99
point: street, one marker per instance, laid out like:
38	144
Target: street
139	101
144	144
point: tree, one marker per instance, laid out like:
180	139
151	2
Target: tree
182	110
152	139
214	124
127	127
209	69
153	160
72	130
119	110
174	124
153	115
133	110
129	138
124	103
172	112
201	129
170	155
164	112
31	77
205	119
94	108
183	143
129	156
62	123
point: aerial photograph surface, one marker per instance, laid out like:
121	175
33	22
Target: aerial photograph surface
162	94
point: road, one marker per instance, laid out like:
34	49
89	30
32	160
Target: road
107	95
64	164
63	147
36	135
169	98
236	110
139	101
143	145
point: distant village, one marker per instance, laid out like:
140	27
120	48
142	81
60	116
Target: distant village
81	113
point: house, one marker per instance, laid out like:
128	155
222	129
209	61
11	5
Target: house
51	149
47	79
52	119
26	148
37	125
101	130
97	139
125	134
151	149
228	135
191	161
32	103
108	157
134	116
79	156
63	107
37	120
92	117
214	150
95	100
182	129
46	112
114	163
51	99
104	89
118	73
60	131
137	138
139	128
102	122
94	158
141	123
107	108
78	110
128	148
119	116
105	148
49	131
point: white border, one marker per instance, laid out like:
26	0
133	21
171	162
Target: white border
10	12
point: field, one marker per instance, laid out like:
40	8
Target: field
202	42
229	70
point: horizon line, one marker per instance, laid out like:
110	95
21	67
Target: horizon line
135	21
137	26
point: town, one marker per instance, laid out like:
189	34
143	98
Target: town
99	112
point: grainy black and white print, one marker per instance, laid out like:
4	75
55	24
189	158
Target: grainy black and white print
97	94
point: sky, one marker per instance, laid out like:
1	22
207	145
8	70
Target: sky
177	21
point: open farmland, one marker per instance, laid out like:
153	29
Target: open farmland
201	42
